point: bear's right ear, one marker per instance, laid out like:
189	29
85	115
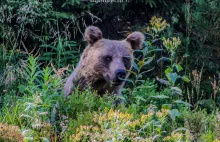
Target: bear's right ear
136	40
92	34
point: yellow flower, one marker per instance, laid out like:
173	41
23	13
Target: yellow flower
95	128
176	136
133	124
17	50
157	24
159	114
10	133
145	117
171	43
165	111
167	138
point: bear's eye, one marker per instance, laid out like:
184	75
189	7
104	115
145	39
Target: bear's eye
107	58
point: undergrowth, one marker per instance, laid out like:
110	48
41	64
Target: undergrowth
152	109
85	116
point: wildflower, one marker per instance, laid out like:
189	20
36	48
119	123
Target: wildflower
171	43
17	50
188	135
159	114
145	117
167	138
165	111
174	137
10	133
133	124
157	24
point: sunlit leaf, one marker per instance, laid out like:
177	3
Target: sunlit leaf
134	73
168	70
141	64
172	77
176	90
174	113
180	129
149	60
178	67
155	50
182	102
140	98
165	82
160	97
185	79
167	106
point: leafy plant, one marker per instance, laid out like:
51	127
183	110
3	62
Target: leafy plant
33	110
60	52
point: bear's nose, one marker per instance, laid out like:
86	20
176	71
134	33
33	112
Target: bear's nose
120	75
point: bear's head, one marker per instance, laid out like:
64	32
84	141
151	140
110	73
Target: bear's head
109	60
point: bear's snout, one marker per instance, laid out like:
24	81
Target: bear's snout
120	75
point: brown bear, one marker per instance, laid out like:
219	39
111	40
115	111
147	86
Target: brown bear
104	63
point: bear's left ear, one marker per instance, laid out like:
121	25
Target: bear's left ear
136	40
92	34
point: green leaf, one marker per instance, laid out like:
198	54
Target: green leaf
49	54
141	64
182	102
155	50
173	54
140	81
45	140
134	73
176	90
186	55
166	106
148	35
145	50
178	67
49	46
44	58
122	98
160	97
162	81
172	77
130	81
209	104
28	139
140	51
135	66
149	60
140	98
185	79
174	113
164	59
21	88
168	70
180	129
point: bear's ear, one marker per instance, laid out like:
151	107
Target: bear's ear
92	34
136	40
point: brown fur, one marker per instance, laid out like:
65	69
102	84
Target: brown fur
101	59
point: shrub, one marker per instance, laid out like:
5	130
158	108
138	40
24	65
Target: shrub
10	133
